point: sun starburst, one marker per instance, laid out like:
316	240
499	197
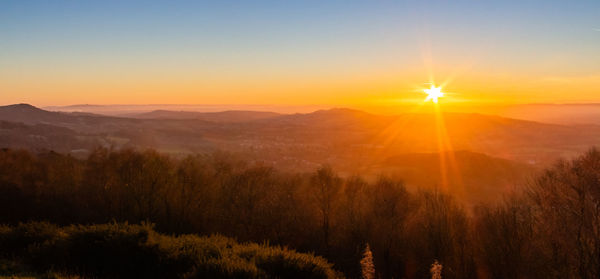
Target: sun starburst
433	93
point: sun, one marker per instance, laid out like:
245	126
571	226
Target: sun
433	93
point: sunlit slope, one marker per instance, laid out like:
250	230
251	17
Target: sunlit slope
367	134
498	136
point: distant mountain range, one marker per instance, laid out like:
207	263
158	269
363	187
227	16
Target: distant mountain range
119	110
495	153
565	114
343	137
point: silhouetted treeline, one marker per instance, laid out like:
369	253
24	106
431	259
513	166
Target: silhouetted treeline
552	230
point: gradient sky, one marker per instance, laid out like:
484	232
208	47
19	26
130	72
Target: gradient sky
305	52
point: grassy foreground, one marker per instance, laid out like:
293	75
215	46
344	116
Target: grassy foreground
42	250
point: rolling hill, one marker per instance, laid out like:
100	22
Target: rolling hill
345	138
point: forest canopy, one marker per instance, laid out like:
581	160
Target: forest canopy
549	230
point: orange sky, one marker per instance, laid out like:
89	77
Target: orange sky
355	89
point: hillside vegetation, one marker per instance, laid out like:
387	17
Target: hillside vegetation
137	251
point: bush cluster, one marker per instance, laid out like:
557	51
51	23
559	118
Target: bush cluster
119	250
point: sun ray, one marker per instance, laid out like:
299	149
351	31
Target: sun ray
449	168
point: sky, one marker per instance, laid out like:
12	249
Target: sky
342	53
